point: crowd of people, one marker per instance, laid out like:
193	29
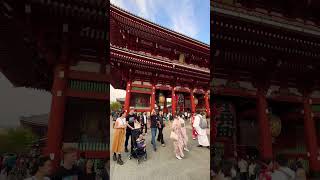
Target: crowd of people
41	167
131	128
134	126
252	169
18	165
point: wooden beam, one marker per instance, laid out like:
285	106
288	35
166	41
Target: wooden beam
141	86
141	92
292	99
315	100
96	154
89	76
235	92
164	88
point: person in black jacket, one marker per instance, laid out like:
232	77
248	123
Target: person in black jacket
160	128
130	120
154	124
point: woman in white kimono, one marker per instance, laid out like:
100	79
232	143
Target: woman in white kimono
201	133
184	133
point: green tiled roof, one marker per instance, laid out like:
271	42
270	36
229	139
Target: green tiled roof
89	86
316	108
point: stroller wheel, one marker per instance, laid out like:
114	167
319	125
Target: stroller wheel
138	161
145	157
129	157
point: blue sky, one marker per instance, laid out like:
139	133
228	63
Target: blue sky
189	17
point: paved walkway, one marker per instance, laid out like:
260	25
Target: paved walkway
163	164
4	177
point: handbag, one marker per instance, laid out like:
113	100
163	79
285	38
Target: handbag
173	136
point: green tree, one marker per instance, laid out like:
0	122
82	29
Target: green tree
16	140
115	106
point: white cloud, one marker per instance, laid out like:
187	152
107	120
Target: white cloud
116	93
181	14
183	18
147	9
119	3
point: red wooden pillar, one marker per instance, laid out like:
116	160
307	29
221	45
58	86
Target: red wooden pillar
193	106
55	126
310	135
265	134
128	96
173	103
153	97
206	99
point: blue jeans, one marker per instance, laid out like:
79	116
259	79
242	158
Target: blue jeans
153	138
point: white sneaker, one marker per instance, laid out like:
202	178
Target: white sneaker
186	149
178	157
194	138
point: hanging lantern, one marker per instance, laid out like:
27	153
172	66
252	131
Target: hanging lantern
275	125
162	99
195	101
180	98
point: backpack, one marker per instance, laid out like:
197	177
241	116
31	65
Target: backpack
203	123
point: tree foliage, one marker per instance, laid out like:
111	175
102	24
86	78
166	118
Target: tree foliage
16	140
115	106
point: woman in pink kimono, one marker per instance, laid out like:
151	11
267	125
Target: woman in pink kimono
178	144
184	133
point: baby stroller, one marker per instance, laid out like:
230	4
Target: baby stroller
137	153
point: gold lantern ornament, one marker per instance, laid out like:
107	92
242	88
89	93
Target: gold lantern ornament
275	125
161	99
195	100
182	58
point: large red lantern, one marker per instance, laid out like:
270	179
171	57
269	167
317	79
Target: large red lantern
162	99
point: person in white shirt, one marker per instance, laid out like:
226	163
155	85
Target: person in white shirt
144	122
283	172
243	167
252	170
201	133
41	169
233	172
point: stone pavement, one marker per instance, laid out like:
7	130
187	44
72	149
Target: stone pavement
4	177
163	164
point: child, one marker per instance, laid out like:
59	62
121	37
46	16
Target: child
141	142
